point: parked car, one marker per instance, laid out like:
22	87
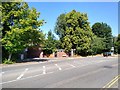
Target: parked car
106	54
109	53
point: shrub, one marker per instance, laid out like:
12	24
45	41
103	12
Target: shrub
6	61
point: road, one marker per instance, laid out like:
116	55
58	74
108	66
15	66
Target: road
87	72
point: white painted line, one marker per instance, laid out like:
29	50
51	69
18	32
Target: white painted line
51	72
25	78
2	72
116	64
34	76
58	67
42	62
68	68
44	70
22	74
71	65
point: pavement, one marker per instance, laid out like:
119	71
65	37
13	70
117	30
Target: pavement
86	72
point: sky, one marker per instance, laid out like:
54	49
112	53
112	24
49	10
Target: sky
106	12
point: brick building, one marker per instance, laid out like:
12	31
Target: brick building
36	52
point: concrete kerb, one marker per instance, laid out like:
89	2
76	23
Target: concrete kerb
36	62
17	64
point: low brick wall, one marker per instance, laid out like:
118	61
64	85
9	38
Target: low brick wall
49	56
62	54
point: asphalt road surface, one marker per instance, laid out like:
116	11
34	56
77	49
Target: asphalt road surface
87	72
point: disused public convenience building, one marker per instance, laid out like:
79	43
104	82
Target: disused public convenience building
36	52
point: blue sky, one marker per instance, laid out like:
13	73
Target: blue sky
106	12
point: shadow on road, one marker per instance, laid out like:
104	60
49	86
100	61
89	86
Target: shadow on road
108	67
34	60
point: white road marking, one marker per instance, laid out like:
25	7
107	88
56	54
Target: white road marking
51	72
2	72
42	62
113	81
58	67
116	64
37	76
25	78
43	74
71	65
22	74
44	70
29	77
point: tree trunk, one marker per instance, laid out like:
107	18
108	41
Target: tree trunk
10	55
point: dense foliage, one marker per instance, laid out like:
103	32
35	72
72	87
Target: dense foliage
104	31
74	31
20	27
117	44
50	43
97	45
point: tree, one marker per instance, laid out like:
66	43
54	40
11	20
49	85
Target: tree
20	27
74	31
50	43
114	41
103	30
60	26
97	45
58	44
117	44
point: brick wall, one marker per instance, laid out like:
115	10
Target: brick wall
62	54
34	52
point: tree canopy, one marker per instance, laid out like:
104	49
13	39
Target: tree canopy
74	31
20	27
104	31
117	44
50	43
97	45
60	26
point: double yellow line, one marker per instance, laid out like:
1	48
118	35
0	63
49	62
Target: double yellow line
112	82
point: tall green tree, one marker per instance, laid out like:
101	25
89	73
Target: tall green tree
20	27
6	21
103	30
117	44
97	45
114	41
50	43
60	26
74	31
